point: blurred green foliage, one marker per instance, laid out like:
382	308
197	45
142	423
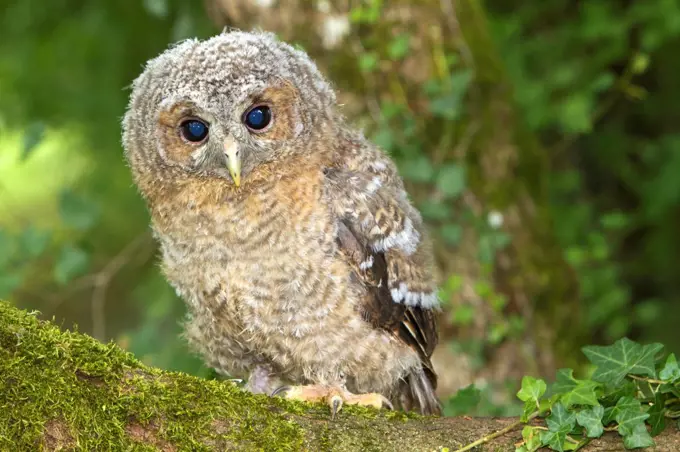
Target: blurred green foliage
595	81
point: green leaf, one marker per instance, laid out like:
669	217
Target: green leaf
368	61
384	138
638	437
591	420
77	212
70	263
435	210
531	437
612	393
446	106
657	414
34	242
33	135
464	401
615	220
640	63
554	440
532	389
451	180
560	423
417	170
452	233
628	413
670	371
399	47
574	391
463	315
577	110
560	420
157	8
9	282
624	357
528	409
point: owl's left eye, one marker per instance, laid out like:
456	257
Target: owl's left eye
258	117
194	130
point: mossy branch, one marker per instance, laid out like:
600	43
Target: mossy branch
62	390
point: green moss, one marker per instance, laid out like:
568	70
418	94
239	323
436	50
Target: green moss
99	397
99	391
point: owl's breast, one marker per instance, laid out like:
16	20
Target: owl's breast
264	282
269	251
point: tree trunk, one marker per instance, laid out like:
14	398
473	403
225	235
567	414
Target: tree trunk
63	390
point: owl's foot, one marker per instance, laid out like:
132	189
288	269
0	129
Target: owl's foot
333	396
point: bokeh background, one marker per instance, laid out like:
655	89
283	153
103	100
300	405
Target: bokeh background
539	138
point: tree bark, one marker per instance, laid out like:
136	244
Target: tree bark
63	390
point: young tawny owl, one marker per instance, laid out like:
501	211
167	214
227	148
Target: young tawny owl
290	236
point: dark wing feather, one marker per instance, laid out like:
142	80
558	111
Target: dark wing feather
413	325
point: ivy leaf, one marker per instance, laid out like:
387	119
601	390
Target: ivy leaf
76	211
419	169
591	420
451	180
657	412
447	100
532	389
612	393
528	410
574	391
70	263
435	210
399	47
452	233
368	62
639	437
33	241
554	440
560	420
464	401
624	357
532	440
628	413
560	423
670	371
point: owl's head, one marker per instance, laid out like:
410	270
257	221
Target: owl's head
223	106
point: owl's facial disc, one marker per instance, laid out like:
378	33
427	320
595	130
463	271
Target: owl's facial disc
231	152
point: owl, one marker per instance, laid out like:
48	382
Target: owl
305	268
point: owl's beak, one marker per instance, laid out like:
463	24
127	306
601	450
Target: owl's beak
231	151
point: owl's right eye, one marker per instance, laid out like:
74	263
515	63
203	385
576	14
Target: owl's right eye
194	130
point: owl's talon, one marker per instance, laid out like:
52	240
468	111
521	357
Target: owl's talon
336	405
334	396
280	391
387	404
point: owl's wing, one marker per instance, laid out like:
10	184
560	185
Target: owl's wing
382	235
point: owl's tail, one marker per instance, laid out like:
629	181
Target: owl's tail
417	392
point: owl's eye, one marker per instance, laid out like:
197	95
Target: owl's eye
194	130
257	118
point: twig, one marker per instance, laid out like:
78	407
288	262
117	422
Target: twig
648	380
101	283
583	443
503	431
